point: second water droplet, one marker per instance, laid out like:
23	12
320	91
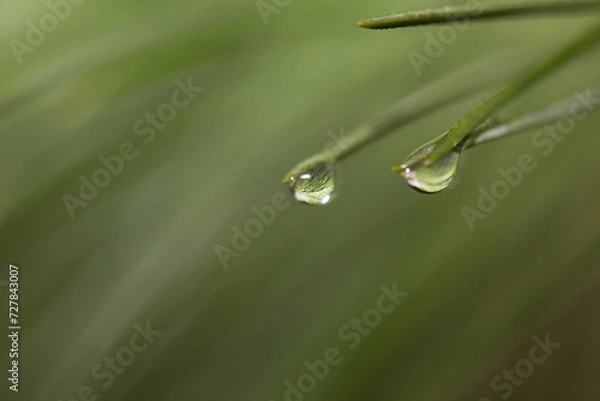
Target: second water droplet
316	186
435	177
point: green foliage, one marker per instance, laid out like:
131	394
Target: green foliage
141	262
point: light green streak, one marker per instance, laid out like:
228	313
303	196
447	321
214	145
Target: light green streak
480	12
564	109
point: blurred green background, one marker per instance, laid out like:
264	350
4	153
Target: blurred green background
142	251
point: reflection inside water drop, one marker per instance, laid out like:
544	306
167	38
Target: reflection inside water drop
436	177
316	186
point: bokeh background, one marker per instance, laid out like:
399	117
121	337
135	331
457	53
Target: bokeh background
143	250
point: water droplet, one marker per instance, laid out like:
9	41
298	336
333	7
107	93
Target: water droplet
435	177
316	186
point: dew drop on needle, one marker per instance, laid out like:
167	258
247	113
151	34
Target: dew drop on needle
315	186
435	177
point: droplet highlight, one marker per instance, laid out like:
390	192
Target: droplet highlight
316	186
